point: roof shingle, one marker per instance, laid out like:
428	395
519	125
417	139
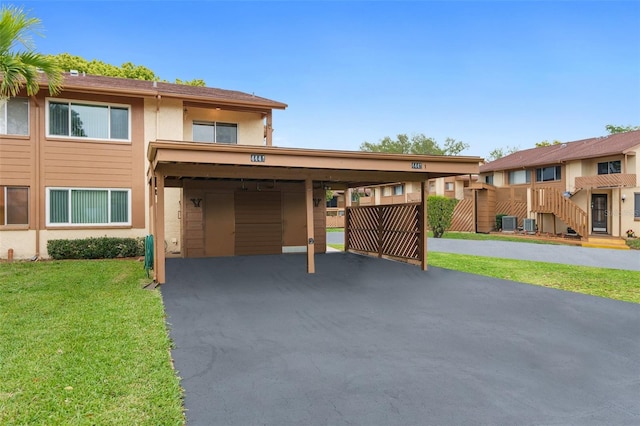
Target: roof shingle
615	144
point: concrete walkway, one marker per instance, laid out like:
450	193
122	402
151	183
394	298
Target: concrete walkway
565	254
370	342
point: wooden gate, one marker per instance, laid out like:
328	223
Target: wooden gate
390	231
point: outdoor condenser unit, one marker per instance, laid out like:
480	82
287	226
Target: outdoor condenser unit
509	223
529	225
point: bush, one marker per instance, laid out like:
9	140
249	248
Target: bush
440	213
96	248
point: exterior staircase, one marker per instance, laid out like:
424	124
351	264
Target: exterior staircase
551	200
606	242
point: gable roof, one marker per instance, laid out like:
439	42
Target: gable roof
619	143
126	86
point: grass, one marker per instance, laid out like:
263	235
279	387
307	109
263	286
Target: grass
610	283
82	343
633	243
335	229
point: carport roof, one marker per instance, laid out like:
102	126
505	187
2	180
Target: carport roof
337	169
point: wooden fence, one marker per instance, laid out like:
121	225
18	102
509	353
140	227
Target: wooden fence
392	231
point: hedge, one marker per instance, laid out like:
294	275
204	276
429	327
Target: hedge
96	248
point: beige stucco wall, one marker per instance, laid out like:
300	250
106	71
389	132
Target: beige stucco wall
573	170
250	125
23	244
172	219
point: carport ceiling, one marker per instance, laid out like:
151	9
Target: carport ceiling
336	169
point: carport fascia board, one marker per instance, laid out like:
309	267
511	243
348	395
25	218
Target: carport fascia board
404	166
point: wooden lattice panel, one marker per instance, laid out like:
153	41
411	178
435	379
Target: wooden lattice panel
389	230
462	220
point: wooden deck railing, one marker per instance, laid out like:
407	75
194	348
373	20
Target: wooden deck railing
614	180
551	200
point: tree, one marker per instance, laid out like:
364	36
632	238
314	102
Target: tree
501	152
547	143
126	70
613	129
440	213
20	64
417	144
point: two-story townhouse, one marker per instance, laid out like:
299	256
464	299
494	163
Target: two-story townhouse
193	166
589	186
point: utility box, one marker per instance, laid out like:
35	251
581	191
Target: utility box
529	226
509	223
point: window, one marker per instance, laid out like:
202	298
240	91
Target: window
488	179
448	186
14	205
546	174
215	132
398	189
636	205
609	167
88	206
517	177
88	120
14	116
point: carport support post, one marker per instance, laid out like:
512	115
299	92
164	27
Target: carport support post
423	234
159	237
311	266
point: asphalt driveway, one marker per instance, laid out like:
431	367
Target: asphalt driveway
372	342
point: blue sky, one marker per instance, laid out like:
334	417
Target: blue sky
492	74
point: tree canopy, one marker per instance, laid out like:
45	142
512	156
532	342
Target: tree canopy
417	144
613	129
547	143
501	152
127	70
20	64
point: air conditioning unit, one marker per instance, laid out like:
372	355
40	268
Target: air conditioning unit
529	225
509	223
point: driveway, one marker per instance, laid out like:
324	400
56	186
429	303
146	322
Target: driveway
565	254
366	341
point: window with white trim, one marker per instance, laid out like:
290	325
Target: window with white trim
546	174
215	132
609	167
88	206
448	186
636	205
398	189
518	177
89	120
14	205
14	116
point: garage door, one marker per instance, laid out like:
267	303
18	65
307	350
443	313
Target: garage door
258	222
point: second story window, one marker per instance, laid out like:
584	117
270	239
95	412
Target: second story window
448	186
609	167
14	116
488	179
517	177
88	120
214	132
546	174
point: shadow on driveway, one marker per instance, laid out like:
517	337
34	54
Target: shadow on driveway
372	342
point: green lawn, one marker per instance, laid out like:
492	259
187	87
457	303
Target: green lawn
82	343
610	283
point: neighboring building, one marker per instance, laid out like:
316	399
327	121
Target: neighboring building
589	185
193	166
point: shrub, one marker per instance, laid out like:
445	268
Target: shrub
440	213
96	248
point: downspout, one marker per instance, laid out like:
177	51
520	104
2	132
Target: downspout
37	188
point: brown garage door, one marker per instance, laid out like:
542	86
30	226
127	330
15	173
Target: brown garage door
258	222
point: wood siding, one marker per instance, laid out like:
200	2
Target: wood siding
16	161
258	222
251	221
485	210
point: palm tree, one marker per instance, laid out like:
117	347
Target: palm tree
20	65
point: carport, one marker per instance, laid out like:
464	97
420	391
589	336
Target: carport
196	165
